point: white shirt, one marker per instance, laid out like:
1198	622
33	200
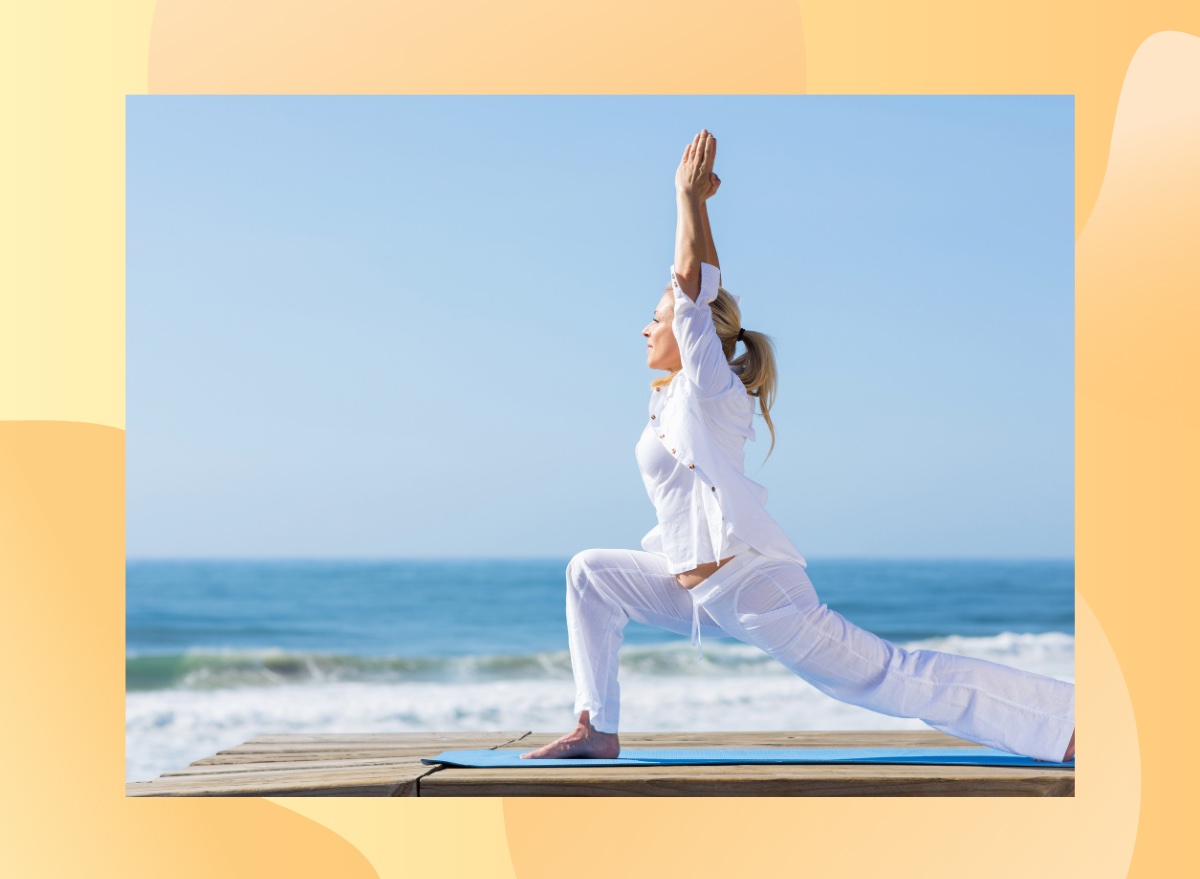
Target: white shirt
683	535
707	507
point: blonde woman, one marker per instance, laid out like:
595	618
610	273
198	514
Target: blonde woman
716	563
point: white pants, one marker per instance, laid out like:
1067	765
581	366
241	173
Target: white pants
772	605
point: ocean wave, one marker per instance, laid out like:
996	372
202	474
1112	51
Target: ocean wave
204	669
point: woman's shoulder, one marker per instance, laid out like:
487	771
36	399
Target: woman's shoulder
686	385
731	409
733	393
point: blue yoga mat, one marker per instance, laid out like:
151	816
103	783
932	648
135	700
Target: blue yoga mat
511	757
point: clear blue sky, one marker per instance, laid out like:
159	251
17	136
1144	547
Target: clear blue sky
410	326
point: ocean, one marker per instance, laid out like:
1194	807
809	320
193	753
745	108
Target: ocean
220	651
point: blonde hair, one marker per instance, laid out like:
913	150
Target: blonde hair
755	367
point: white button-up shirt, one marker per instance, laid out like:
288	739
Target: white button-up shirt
707	506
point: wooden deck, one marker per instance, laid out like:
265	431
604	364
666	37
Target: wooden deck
389	765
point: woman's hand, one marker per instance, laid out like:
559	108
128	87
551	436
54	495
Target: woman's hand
714	183
694	176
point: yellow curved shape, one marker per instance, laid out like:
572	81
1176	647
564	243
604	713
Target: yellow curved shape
404	837
62	380
1138	420
63	811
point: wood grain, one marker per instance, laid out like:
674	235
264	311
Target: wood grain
389	765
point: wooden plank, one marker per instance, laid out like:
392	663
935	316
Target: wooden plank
869	738
786	780
361	781
385	739
323	752
757	780
340	747
201	768
386	764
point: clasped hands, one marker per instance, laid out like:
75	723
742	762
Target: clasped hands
694	178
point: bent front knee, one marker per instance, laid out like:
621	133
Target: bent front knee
582	562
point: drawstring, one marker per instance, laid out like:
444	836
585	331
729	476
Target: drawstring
709	586
696	607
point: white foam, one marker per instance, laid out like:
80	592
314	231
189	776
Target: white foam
167	729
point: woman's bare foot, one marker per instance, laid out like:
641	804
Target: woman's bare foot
583	741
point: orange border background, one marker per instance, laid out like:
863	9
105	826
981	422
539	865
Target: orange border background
1133	71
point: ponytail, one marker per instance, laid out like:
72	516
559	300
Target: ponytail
756	368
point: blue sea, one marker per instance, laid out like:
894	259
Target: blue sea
220	651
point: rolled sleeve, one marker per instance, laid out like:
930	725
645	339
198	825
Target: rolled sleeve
710	280
700	351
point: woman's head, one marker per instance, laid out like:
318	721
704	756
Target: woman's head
755	366
662	349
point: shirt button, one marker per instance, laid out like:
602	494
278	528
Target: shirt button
652	417
662	436
714	488
691	466
672	451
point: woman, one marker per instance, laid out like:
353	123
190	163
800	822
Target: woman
717	563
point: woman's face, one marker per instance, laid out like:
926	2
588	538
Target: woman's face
662	351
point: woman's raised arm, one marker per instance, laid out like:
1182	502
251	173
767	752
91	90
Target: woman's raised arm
693	182
710	249
697	276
